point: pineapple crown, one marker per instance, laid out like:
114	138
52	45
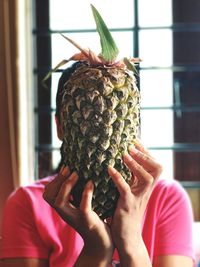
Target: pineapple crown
107	57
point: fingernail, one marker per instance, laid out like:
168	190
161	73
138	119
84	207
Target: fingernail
73	176
132	150
111	169
127	157
61	169
137	140
64	170
90	184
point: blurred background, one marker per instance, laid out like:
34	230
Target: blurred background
164	34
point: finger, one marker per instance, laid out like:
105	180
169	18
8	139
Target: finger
142	175
86	202
119	181
146	161
62	205
62	198
140	147
51	189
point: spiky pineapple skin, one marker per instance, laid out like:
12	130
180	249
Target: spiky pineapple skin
100	118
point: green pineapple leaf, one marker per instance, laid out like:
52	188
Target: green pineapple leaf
109	49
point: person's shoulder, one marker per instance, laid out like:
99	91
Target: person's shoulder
40	183
169	186
33	190
170	193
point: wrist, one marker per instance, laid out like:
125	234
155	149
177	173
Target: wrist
98	246
97	258
98	251
134	254
129	243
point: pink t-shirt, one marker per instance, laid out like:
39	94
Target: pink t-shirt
31	228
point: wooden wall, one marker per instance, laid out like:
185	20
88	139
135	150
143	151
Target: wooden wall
8	99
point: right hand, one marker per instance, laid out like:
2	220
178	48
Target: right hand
95	233
126	225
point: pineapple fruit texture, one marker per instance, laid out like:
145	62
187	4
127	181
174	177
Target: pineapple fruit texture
100	116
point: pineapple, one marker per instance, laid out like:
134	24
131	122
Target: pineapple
100	118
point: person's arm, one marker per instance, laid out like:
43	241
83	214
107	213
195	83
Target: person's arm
98	246
23	262
127	221
136	255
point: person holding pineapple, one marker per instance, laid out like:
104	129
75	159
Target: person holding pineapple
106	206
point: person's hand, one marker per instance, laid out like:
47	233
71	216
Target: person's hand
127	220
95	233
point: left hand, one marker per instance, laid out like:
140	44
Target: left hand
95	233
127	220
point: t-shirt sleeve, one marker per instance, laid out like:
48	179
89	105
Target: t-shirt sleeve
20	237
175	222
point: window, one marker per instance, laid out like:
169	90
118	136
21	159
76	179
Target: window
166	38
